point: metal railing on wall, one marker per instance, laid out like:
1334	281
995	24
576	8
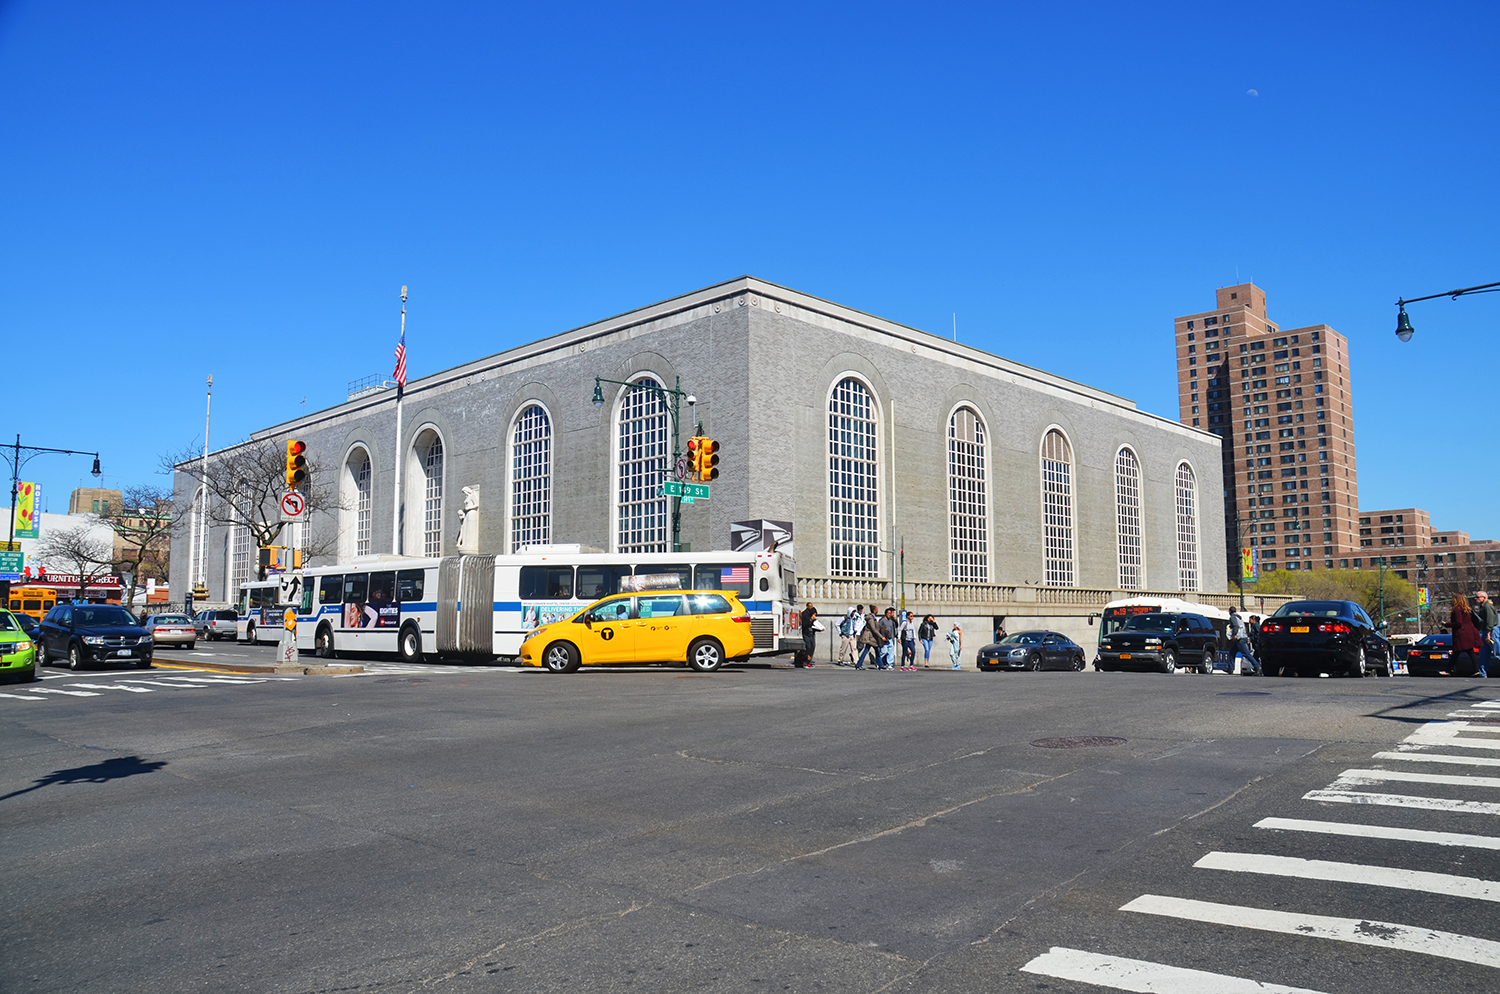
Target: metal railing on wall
994	597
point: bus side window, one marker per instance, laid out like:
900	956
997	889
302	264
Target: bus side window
331	589
734	578
547	583
355	587
307	599
595	582
409	585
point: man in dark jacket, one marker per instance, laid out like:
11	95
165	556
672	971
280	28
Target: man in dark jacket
809	636
889	626
1485	619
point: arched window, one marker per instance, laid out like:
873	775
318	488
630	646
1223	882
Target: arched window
354	513
239	561
1128	520
853	496
423	532
1057	510
641	523
1187	527
531	479
968	530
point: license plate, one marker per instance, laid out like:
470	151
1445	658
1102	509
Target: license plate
1124	655
1300	629
1434	656
122	652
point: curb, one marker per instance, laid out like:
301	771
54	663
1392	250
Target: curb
298	669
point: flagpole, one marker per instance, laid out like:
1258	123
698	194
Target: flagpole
400	389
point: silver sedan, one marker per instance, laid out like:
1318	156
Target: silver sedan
171	629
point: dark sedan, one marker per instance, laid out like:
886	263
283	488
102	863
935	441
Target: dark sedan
94	633
1032	651
1433	656
1333	637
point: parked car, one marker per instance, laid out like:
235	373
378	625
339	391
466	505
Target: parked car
17	650
171	629
1433	656
94	633
1333	637
1032	651
703	628
1163	642
31	627
216	624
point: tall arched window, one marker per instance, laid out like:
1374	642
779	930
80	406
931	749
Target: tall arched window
1128	520
239	560
968	529
424	496
1057	510
354	512
531	479
641	523
1187	527
853	496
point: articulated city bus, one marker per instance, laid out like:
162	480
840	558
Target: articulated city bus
483	606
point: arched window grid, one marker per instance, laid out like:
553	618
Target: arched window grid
968	516
641	459
531	478
1128	520
432	496
853	490
239	560
1057	510
1186	488
360	471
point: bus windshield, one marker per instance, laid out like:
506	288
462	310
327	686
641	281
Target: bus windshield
1116	617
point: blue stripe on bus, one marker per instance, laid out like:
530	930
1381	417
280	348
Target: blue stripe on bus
419	606
757	605
507	605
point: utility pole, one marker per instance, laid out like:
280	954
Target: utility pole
400	392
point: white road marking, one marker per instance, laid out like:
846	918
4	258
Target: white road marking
1438	757
1447	884
1124	974
23	697
1403	801
112	686
213	680
1453	742
1379	776
1387	935
70	693
1381	832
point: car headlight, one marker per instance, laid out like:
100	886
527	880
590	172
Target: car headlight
1018	652
1153	641
93	640
20	646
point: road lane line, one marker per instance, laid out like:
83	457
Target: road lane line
70	693
1438	757
1124	974
1447	884
1454	742
1404	801
1378	776
112	686
1381	832
23	697
1386	935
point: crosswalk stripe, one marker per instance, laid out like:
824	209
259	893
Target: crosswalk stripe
1437	757
1381	832
1403	801
1387	935
1453	742
1379	776
112	686
23	697
1124	974
1447	884
70	693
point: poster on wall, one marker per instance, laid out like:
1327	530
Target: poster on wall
761	535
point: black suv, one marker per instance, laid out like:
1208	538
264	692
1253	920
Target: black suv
94	633
1163	642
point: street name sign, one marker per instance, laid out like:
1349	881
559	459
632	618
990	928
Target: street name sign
687	491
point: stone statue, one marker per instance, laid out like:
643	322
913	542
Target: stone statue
468	521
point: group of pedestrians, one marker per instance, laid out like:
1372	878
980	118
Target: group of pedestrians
888	640
1473	629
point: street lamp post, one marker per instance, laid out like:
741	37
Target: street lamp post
1404	330
675	411
16	462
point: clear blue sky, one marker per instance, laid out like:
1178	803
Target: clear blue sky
200	188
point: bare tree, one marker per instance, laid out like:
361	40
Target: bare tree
245	484
82	550
144	524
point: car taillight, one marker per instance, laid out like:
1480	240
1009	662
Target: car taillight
1338	628
1267	626
743	619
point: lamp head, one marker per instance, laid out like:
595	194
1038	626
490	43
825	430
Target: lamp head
692	401
1403	325
96	470
598	394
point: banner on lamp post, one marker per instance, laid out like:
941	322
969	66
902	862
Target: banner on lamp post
27	520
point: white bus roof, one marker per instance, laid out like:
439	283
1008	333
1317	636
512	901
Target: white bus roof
1170	605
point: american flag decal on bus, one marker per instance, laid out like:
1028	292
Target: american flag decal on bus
734	574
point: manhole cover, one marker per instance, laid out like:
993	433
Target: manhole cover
1078	742
1246	693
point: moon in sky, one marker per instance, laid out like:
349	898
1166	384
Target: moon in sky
1252	93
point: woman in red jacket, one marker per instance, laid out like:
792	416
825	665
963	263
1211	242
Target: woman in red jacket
1465	636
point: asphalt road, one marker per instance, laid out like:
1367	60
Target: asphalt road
484	829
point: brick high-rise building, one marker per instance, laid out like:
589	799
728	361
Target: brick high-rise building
1280	399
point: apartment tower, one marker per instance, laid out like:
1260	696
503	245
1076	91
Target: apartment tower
1280	399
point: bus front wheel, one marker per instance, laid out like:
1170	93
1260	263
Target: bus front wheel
250	633
410	645
323	643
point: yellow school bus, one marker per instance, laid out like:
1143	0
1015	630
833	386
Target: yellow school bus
35	601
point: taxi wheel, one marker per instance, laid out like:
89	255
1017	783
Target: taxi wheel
705	655
560	657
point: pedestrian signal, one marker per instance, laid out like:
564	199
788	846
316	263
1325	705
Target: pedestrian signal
296	464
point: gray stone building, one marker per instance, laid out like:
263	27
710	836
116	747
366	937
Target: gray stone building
1013	492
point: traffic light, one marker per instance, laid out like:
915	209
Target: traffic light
695	457
296	464
709	461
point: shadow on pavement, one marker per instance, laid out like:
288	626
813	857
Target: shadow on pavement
111	769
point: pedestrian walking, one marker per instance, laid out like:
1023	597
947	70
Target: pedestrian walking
1485	619
849	629
1466	637
889	629
809	637
927	631
908	635
1239	634
869	640
955	643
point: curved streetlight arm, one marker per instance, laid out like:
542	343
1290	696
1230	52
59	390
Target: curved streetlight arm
16	462
1453	294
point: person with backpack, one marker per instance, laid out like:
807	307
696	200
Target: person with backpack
809	637
1239	636
926	632
955	644
870	640
849	628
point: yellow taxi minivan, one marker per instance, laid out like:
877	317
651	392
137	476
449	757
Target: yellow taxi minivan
703	628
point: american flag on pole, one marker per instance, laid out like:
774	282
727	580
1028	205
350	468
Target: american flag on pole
400	375
734	574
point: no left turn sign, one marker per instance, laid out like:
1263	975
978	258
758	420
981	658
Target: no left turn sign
292	504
